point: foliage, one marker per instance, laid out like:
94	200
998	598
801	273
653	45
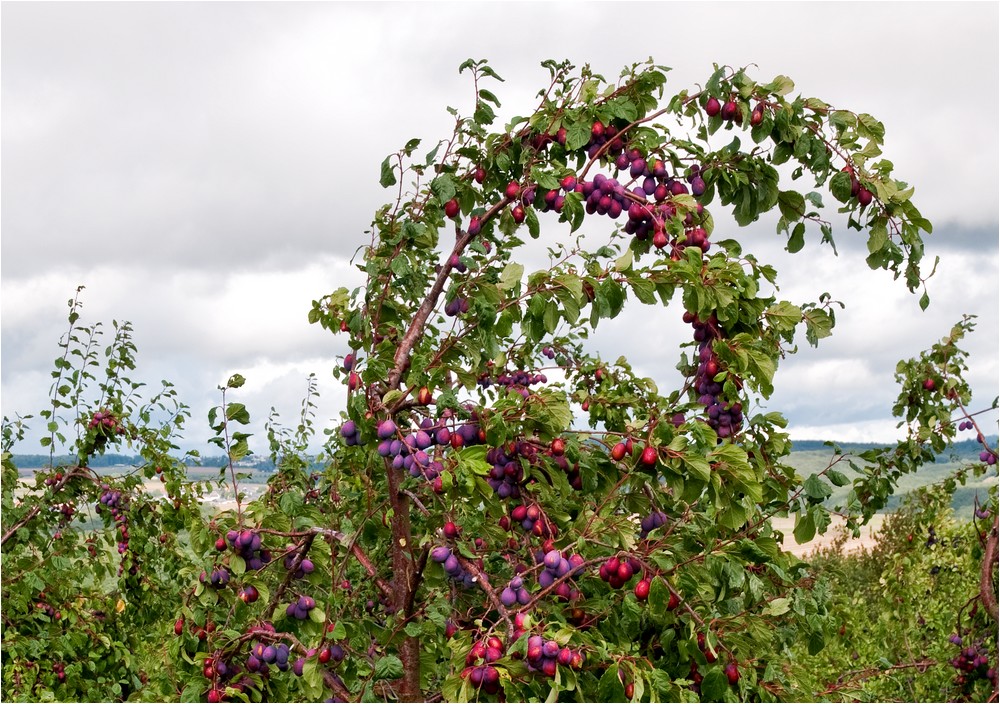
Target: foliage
903	612
499	509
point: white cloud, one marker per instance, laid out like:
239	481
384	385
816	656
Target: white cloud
207	169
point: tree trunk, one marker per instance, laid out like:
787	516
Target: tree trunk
403	577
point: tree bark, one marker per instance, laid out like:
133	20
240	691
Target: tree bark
986	593
403	584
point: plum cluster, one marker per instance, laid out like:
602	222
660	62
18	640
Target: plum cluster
862	194
116	504
223	676
415	451
572	471
218	577
332	652
478	664
543	656
730	111
648	177
300	609
107	427
531	519
59	670
988	457
651	522
456	306
54	479
617	571
726	418
107	422
517	382
350	432
305	567
67	510
248	545
555	565
506	473
49	610
515	593
215	667
972	662
443	555
261	656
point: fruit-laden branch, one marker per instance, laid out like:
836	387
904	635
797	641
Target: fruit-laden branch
334	683
56	488
279	592
20	524
359	554
329	678
484	582
850	678
416	329
986	592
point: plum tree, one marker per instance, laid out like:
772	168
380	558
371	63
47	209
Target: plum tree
598	157
500	512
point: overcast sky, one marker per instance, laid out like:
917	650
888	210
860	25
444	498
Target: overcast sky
207	170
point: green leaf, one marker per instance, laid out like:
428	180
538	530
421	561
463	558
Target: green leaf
816	489
338	632
443	187
388	667
818	325
837	478
698	466
798	239
238	412
792	204
840	186
784	315
312	677
388	177
778	607
878	237
610	688
805	527
531	218
714	686
659	596
391	397
511	275
577	135
781	85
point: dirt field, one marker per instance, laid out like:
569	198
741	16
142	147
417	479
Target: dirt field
867	540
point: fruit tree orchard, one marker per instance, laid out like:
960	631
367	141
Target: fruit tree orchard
502	514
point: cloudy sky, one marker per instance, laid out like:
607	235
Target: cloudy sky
207	170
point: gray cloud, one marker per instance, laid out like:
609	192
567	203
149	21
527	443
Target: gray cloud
206	169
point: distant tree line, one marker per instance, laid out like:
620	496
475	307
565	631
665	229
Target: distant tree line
964	448
264	464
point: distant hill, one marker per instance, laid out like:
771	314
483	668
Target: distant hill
964	448
263	464
808	457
